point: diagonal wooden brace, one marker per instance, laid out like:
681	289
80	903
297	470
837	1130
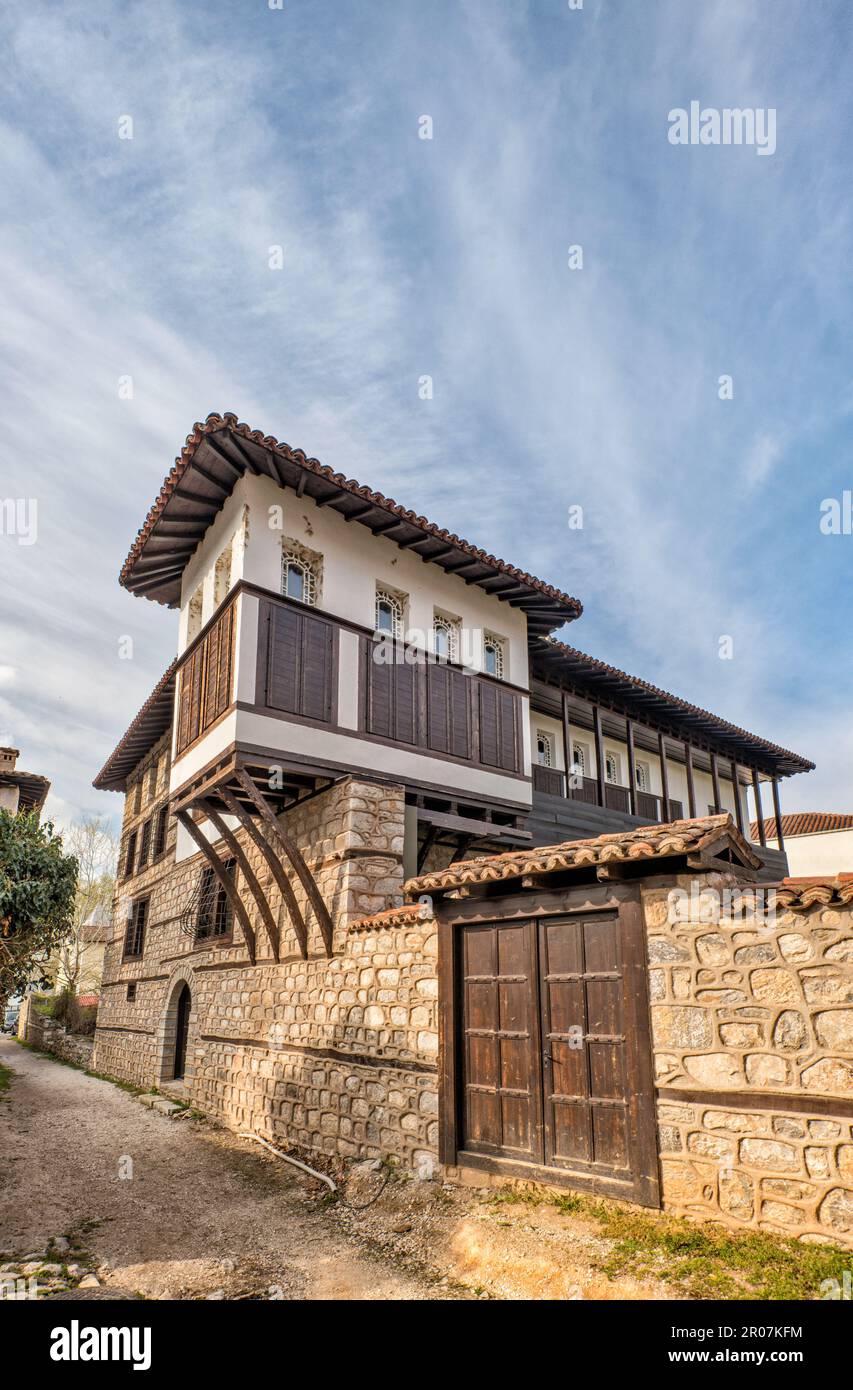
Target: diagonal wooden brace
272	859
228	887
294	854
246	870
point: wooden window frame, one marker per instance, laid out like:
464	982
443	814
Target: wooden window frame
220	909
129	863
161	832
136	932
145	844
203	697
131	991
543	736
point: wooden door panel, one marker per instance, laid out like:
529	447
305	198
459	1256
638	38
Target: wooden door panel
501	1097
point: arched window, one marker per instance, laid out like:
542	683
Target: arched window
611	767
298	577
642	775
544	749
579	759
445	637
389	613
493	656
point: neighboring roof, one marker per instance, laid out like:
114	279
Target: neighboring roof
32	788
407	915
150	724
218	453
804	892
706	834
550	659
88	1000
97	926
804	823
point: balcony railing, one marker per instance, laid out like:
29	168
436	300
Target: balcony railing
616	797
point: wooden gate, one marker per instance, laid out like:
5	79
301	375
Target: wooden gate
548	1060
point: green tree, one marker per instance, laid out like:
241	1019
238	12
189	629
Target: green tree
38	881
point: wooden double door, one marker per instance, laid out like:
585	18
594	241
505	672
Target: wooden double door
553	1055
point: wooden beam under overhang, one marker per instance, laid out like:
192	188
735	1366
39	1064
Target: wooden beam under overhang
225	881
481	829
285	887
246	870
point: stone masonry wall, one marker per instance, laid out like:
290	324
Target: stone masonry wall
762	1010
336	1054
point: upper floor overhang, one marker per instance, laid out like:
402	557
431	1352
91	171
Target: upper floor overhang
219	452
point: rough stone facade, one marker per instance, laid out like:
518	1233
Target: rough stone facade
762	1009
336	1054
45	1033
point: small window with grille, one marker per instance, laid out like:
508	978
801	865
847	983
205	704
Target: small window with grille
544	749
445	637
214	920
130	855
611	768
134	936
300	573
494	655
145	846
389	613
641	772
579	759
161	831
131	992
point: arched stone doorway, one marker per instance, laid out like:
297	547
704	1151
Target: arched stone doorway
174	1053
182	1028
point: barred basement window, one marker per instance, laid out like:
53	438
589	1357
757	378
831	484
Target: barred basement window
215	918
544	749
131	992
389	613
493	655
134	937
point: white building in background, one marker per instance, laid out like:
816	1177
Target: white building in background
817	843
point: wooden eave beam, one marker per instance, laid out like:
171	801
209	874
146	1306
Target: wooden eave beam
244	456
221	453
210	477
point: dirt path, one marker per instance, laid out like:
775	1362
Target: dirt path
208	1214
202	1212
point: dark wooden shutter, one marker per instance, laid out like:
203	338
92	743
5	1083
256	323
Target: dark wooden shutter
300	663
497	710
448	711
393	682
145	846
219	665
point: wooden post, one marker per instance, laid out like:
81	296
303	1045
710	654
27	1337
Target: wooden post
632	767
756	791
738	806
599	755
777	812
691	786
567	743
664	779
715	778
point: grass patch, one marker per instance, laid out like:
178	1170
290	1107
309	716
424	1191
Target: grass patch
703	1262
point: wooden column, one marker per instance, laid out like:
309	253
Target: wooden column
664	779
599	755
632	767
567	743
691	786
759	814
777	812
738	806
715	778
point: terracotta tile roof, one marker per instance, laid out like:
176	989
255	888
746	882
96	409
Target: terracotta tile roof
550	657
408	915
804	823
148	726
32	788
646	843
154	566
805	892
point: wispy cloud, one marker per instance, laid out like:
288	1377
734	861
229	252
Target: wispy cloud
150	258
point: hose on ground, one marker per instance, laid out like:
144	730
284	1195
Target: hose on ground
314	1173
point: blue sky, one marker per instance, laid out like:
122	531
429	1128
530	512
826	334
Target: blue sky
298	127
